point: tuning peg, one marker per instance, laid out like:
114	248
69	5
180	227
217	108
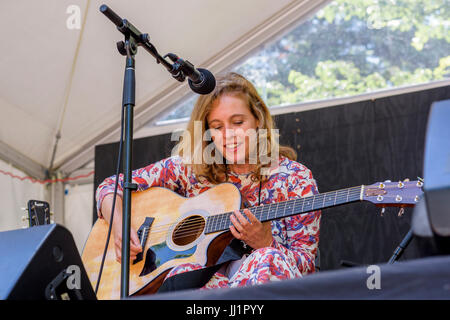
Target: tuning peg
25	218
24	209
419	182
387	181
401	211
406	180
383	210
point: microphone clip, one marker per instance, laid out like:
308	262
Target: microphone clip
178	66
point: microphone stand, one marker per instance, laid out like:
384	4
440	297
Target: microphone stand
401	247
128	103
128	48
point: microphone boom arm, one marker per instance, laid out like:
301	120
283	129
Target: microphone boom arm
141	39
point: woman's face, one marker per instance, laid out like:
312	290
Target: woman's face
233	128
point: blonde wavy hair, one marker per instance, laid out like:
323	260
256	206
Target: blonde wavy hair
229	84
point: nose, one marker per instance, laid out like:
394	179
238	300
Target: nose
229	133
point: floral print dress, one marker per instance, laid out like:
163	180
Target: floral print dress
295	238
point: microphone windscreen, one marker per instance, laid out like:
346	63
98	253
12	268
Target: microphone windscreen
207	84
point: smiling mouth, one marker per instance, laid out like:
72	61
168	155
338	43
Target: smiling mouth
232	146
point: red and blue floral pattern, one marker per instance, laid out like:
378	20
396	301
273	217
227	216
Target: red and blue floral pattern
295	239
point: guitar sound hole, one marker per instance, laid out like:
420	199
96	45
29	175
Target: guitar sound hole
188	230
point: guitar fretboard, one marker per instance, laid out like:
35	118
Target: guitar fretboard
278	210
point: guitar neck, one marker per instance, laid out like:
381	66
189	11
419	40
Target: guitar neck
274	211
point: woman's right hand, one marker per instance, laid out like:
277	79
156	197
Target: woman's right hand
135	246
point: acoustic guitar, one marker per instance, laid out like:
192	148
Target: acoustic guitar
174	230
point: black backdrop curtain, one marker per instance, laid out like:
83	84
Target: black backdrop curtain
346	145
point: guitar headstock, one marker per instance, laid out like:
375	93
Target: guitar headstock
394	194
38	213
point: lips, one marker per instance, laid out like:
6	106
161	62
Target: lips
232	146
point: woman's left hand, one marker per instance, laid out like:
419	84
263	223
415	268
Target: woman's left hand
253	232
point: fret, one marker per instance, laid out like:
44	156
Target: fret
330	200
337	196
227	221
216	222
221	221
207	226
254	210
207	229
261	213
224	221
318	201
276	210
303	204
289	205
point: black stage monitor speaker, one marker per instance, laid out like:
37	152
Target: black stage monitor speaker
42	263
437	168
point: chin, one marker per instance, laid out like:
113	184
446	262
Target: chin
233	160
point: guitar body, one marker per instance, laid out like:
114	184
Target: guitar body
175	237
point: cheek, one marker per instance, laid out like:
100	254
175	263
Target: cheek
218	141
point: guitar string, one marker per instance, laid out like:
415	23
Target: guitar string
191	227
195	222
194	231
264	210
186	232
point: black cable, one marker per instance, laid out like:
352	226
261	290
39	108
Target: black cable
119	160
399	250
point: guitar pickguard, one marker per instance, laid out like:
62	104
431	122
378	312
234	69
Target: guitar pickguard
161	253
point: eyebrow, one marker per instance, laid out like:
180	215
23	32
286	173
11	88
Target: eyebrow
233	116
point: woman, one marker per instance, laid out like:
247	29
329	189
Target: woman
244	151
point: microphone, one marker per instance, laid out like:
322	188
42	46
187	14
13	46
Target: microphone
201	81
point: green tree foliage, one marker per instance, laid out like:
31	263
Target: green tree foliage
351	47
355	46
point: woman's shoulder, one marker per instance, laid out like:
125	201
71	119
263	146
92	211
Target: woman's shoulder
294	168
174	162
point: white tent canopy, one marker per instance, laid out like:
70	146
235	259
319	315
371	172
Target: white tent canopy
62	76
